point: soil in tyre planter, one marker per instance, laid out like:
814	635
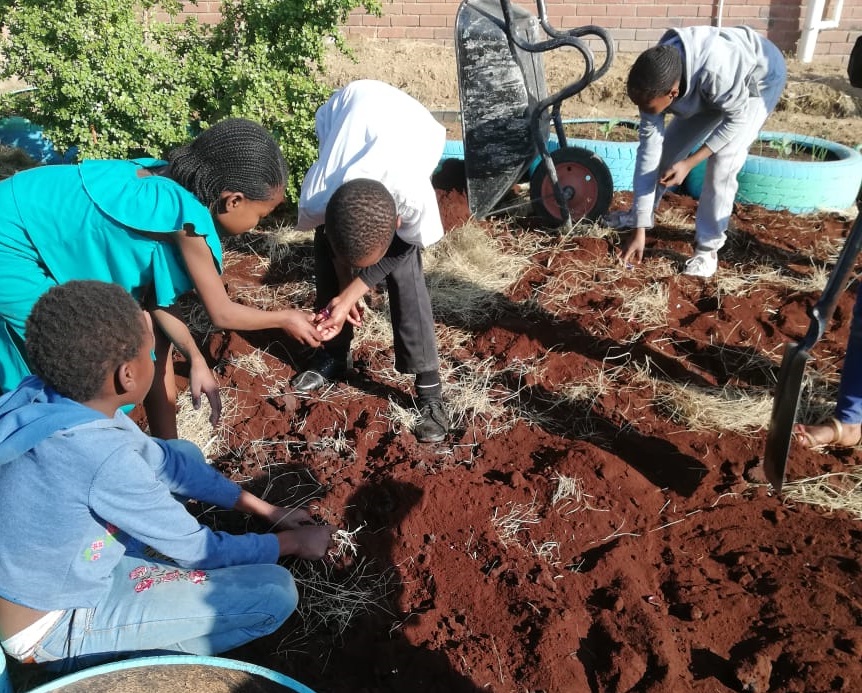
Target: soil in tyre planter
174	678
800	187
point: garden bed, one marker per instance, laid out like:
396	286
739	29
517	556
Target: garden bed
598	519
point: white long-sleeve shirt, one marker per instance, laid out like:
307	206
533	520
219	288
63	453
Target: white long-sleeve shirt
370	129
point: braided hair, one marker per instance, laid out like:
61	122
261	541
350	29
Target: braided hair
360	219
654	73
235	155
79	332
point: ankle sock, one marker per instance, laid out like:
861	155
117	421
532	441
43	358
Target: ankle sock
428	386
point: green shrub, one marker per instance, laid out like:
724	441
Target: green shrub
119	78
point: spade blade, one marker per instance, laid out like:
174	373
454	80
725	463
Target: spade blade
789	385
787	392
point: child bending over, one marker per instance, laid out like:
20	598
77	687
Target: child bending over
370	198
83	491
152	227
720	84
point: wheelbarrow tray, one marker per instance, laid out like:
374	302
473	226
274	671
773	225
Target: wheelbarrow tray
499	85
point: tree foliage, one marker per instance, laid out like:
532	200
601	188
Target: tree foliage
118	78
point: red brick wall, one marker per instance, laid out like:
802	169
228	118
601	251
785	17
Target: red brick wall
633	24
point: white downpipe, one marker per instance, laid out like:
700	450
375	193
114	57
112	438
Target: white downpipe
719	12
814	23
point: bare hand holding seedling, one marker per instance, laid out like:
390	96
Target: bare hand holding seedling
309	541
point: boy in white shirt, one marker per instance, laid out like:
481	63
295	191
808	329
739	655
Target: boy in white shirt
369	197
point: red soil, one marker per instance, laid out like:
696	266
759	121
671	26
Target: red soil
689	575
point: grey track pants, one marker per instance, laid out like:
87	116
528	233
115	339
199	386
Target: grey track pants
719	185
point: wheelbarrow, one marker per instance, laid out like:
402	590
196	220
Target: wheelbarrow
506	112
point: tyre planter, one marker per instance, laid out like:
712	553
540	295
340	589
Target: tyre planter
454	149
21	133
619	157
144	674
801	187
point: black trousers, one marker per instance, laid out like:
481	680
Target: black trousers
409	304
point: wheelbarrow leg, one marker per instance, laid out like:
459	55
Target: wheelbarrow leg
550	168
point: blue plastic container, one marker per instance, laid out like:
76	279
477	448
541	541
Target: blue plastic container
5	683
21	133
170	660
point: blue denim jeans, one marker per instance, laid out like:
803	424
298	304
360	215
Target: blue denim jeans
157	607
848	409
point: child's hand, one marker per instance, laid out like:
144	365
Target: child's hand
289	518
633	251
354	317
330	320
676	174
326	318
301	326
202	381
310	541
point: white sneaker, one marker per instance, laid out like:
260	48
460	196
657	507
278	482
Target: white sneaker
702	264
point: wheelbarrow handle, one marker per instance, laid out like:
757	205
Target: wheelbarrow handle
571	38
821	312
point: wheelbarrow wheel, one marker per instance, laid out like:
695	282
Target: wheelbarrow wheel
586	183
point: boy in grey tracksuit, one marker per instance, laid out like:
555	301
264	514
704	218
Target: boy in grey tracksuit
720	84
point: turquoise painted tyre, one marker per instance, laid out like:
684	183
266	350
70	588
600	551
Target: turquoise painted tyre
801	187
21	133
619	157
454	149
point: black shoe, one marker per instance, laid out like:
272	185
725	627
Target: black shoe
324	369
433	422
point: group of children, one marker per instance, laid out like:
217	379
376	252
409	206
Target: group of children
89	318
95	257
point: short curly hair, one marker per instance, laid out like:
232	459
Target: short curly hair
360	219
654	73
79	332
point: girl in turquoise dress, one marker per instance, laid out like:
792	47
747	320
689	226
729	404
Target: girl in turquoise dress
153	228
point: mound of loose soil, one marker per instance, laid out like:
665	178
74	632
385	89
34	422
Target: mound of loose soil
671	567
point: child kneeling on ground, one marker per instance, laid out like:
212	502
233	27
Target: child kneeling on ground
83	491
